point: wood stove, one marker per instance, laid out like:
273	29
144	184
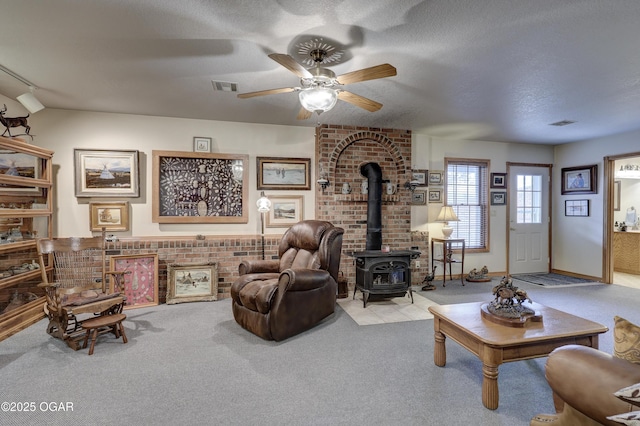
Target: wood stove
381	273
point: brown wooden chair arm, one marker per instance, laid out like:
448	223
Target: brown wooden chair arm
50	285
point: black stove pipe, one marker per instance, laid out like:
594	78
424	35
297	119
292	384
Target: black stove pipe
373	173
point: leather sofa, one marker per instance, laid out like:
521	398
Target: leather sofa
583	381
278	298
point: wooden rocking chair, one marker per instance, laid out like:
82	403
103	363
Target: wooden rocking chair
79	285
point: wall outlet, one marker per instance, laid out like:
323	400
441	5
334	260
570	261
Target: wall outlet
417	263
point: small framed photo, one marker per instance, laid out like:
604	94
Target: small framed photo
498	180
436	177
201	144
112	216
283	173
419	198
576	208
580	180
192	283
435	195
104	173
141	281
285	211
499	198
420	177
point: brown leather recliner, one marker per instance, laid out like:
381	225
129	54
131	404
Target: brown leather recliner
583	381
276	299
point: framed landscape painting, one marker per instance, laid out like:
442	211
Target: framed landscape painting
104	173
283	173
111	216
192	283
285	211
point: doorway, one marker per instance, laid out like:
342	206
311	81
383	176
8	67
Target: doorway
528	219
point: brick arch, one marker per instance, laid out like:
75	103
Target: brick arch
398	158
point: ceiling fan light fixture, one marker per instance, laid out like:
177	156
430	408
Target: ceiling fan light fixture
318	99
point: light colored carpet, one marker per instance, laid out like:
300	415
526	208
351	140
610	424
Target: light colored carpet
383	311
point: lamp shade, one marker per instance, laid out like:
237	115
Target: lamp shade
263	203
29	101
447	215
318	99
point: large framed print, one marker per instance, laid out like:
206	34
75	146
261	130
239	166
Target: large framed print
195	187
284	173
110	216
285	211
140	280
21	165
580	180
192	283
104	173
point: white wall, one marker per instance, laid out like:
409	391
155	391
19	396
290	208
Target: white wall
578	241
62	131
429	153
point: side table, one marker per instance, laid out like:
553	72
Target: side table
447	256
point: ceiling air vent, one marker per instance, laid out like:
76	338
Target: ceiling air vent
224	86
562	123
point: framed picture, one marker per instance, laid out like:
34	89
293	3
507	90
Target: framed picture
499	198
616	195
194	187
419	198
103	173
201	144
192	283
420	176
111	216
20	165
436	177
498	180
141	283
283	173
580	180
576	208
285	211
435	195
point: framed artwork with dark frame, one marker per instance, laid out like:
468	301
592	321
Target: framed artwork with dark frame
580	180
112	216
498	180
499	198
104	173
419	198
192	283
420	176
284	173
436	177
285	211
141	282
576	207
194	187
435	195
20	165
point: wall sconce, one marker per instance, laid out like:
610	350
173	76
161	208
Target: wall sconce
323	182
411	185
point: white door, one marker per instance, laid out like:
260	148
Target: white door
528	219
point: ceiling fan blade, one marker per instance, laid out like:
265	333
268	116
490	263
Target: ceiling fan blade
371	73
359	101
289	63
304	114
266	92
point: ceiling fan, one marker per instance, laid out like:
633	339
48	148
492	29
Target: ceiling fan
320	88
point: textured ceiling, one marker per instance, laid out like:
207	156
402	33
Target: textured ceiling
499	70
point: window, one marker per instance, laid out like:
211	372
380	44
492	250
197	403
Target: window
528	199
467	192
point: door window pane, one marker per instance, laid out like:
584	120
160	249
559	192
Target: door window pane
529	199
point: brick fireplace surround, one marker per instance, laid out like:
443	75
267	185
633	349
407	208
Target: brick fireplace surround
340	150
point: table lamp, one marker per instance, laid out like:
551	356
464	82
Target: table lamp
447	215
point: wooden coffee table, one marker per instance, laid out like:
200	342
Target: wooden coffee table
495	344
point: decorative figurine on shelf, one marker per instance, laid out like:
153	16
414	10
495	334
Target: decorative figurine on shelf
507	308
478	276
9	122
427	281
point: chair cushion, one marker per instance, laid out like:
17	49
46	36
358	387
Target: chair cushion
86	297
626	336
256	295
